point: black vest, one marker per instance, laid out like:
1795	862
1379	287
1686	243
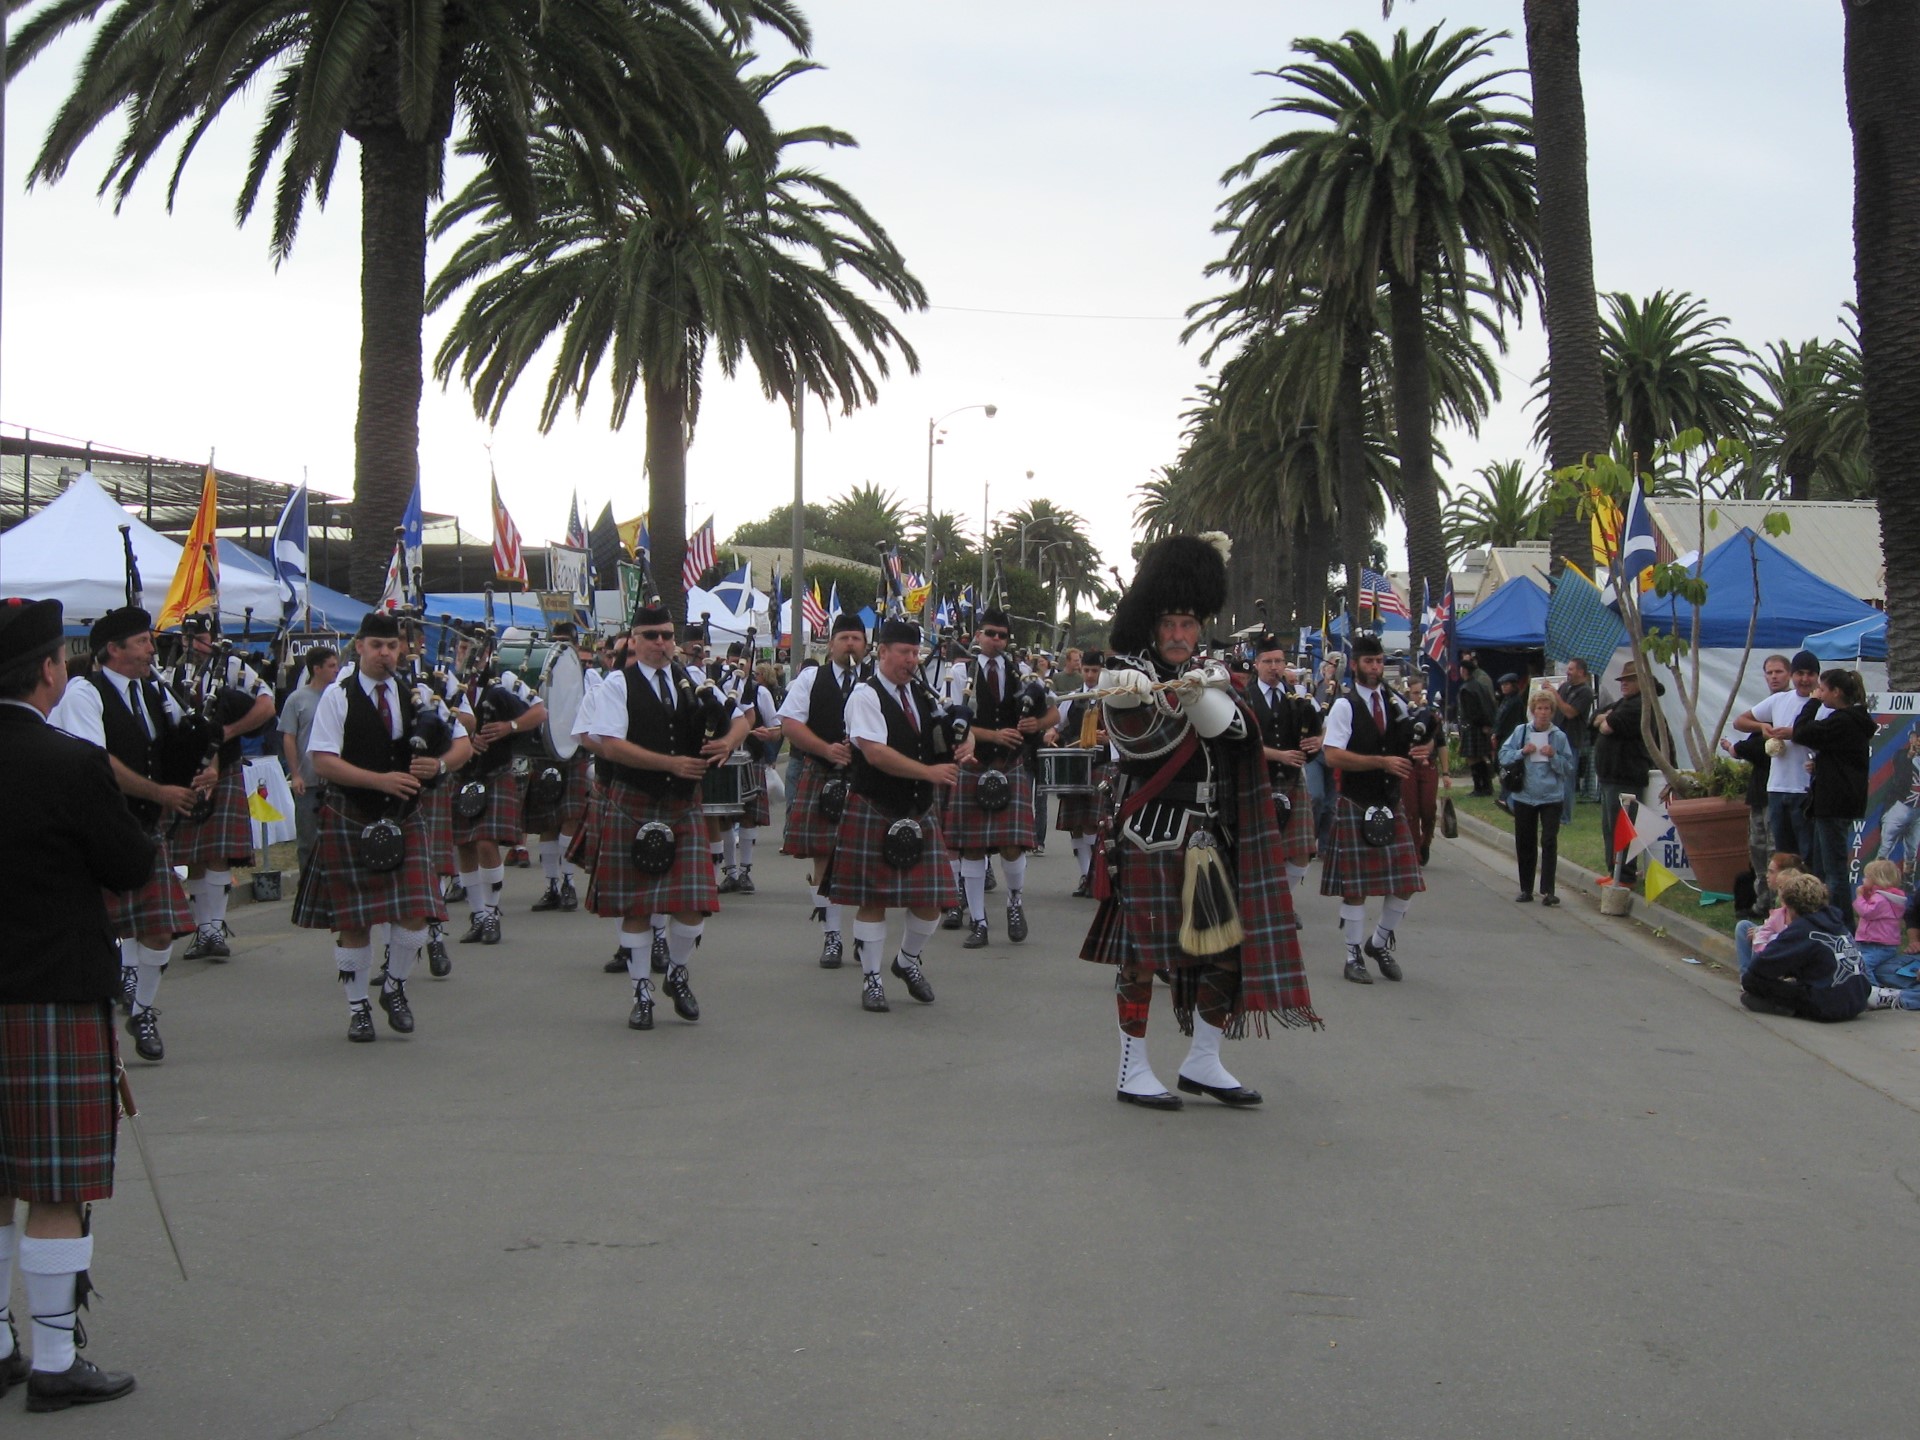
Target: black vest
826	706
1282	726
651	727
364	741
1375	787
126	737
989	714
890	794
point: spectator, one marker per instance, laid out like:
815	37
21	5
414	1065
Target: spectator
1812	968
1787	780
1476	704
1751	937
1836	728
1573	713
1621	761
322	665
1878	909
1898	981
1536	805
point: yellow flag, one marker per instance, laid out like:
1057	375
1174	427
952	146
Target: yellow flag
633	535
916	599
1659	879
196	584
263	809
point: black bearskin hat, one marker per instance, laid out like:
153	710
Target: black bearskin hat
1180	575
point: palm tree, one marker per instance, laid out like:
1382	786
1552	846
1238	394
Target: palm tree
865	519
649	258
956	561
1414	167
1052	543
399	77
1508	511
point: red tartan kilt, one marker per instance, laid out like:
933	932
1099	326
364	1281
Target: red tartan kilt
759	809
586	839
436	809
1082	812
1351	865
157	907
59	1110
337	893
563	818
503	821
971	828
808	832
225	838
619	886
860	875
1147	897
1297	837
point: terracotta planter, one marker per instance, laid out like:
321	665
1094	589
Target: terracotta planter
1714	830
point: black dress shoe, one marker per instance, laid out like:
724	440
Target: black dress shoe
360	1024
490	928
1355	969
145	1029
1016	921
657	961
81	1383
1549	899
1525	897
439	962
873	996
1084	890
477	931
394	1001
618	965
641	1016
129	981
832	951
728	882
743	880
1382	956
15	1368
952	919
548	901
684	1005
916	981
454	892
1225	1094
1162	1101
976	937
209	943
569	897
992	884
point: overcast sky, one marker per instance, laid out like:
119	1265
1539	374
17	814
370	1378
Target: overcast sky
1051	171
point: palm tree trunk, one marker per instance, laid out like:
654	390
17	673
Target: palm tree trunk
396	182
1312	555
1349	423
667	489
1413	422
1576	395
1883	107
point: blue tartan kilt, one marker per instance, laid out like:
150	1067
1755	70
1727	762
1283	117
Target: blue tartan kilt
338	893
1349	864
504	820
225	838
969	827
859	874
158	907
59	1110
808	832
619	887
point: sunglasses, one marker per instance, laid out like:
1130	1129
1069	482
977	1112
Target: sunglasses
654	634
996	634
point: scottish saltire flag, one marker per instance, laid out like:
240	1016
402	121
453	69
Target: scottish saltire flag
700	557
833	602
1438	641
735	591
1376	590
576	532
289	555
1638	547
413	535
943	617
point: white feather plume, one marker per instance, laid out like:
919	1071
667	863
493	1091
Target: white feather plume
1221	541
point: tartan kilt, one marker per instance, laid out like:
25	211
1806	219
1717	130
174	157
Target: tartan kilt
337	893
619	887
1297	836
759	809
1476	742
225	838
1082	812
157	906
59	1109
563	817
859	875
586	839
808	832
1350	864
969	827
436	806
504	820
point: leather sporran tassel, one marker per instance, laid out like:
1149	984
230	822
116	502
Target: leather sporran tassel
1209	919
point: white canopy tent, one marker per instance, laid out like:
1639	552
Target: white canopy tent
71	551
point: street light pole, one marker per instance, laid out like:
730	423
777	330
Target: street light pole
796	569
932	440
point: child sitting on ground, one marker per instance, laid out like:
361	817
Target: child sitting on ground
1750	937
1878	907
1896	978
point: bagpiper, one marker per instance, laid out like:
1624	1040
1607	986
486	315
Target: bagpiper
1080	728
556	818
1290	735
813	718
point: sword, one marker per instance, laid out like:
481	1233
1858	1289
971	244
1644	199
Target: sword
132	1112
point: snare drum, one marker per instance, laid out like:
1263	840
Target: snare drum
727	786
1066	771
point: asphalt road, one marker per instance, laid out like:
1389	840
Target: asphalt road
1553	1184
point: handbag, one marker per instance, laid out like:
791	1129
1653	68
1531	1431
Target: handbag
1513	777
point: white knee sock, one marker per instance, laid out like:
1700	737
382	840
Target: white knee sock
476	892
869	943
550	861
1017	874
565	844
1296	876
1353	919
51	1269
913	939
681	940
195	886
832	919
496	878
637	949
403	951
746	847
1392	911
973	879
355	964
153	964
729	845
1083	852
717	852
1203	1058
215	885
658	924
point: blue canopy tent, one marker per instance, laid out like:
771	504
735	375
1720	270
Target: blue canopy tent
1394	631
330	610
1861	640
1513	618
1794	602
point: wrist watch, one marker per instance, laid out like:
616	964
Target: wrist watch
443	767
514	726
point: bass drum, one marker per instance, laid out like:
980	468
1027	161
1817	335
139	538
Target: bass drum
563	687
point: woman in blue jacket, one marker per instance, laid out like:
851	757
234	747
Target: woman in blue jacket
1548	756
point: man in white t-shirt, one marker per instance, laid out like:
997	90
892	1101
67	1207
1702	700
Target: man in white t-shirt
1791	772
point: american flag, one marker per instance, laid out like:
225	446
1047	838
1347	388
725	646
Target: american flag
1378	591
576	532
1435	645
508	562
700	555
814	612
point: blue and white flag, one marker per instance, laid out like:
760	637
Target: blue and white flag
1638	548
735	591
412	541
290	557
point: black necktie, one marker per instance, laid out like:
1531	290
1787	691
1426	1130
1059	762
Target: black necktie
660	684
846	682
140	709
